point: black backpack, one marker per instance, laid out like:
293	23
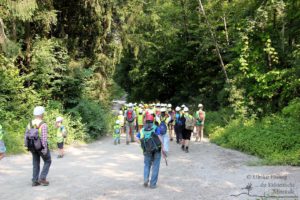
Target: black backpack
32	138
150	143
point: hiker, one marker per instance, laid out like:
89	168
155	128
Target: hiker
178	127
140	118
188	126
36	141
2	145
151	142
122	121
200	117
61	134
171	114
130	117
163	120
117	132
157	109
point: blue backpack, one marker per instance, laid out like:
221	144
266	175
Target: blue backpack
178	120
163	128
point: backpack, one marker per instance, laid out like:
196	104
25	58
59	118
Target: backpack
163	128
178	120
189	123
129	116
150	143
32	139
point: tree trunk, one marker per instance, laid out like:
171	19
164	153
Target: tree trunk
185	20
226	32
215	41
2	33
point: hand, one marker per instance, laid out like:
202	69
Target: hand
44	151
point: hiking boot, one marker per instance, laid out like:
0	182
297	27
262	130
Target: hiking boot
171	139
186	150
127	142
182	147
153	186
35	183
43	182
59	156
119	142
146	184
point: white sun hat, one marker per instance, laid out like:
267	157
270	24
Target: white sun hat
39	110
59	119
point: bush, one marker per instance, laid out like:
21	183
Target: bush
96	118
275	138
216	119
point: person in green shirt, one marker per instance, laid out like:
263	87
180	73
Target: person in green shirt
200	118
60	136
117	132
2	145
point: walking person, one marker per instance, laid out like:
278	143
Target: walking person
200	118
2	144
188	126
61	134
178	127
122	121
171	114
130	118
151	143
163	120
117	132
36	141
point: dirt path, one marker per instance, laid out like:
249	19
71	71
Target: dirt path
104	171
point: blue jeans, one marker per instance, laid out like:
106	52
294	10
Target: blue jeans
154	161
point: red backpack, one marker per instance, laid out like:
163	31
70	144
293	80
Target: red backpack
129	116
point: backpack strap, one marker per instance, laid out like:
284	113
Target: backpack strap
40	124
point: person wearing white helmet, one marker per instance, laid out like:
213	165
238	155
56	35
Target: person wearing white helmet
163	120
188	126
140	118
122	121
200	118
157	109
61	134
171	114
117	132
178	127
37	128
130	117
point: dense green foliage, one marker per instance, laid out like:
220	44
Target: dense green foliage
274	138
62	55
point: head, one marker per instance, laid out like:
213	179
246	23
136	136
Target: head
163	111
38	112
58	121
177	109
200	106
149	121
130	106
120	112
185	110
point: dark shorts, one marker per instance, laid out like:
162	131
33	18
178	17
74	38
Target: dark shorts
186	134
60	145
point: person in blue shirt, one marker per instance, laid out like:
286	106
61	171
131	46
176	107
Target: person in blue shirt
151	158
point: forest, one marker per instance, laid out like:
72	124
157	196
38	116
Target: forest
239	58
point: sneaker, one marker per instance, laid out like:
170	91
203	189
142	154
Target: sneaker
43	182
59	156
146	184
182	147
35	183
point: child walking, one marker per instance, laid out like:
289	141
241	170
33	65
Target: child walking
117	132
61	134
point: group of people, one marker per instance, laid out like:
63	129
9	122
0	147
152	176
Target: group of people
155	125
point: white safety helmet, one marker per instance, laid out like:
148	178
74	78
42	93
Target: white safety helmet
200	105
59	119
39	110
120	112
118	122
186	109
182	106
158	105
151	112
130	105
169	105
163	110
177	109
